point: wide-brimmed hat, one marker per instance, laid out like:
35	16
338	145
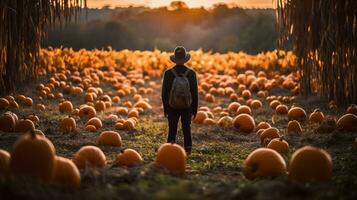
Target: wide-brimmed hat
180	55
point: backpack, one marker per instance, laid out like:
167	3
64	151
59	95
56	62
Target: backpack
180	94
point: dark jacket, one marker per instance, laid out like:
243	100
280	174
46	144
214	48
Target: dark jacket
166	87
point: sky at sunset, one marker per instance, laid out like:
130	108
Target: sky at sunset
190	3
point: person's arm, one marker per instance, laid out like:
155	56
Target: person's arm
194	94
164	93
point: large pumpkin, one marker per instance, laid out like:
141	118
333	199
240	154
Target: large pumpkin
244	122
309	164
66	172
171	157
263	162
110	138
129	158
90	156
33	155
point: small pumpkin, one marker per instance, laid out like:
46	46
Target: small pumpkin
33	155
89	156
256	104
281	109
67	125
232	107
7	122
297	113
4	103
246	94
244	123
87	112
4	162
316	117
200	117
91	128
129	158
273	104
263	162
347	122
171	157
310	164
110	138
66	172
209	121
24	125
65	107
95	121
269	133
294	127
133	113
244	109
34	118
210	98
263	125
279	144
225	121
100	106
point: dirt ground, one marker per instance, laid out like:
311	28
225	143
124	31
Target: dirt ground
214	169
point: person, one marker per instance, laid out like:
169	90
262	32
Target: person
180	96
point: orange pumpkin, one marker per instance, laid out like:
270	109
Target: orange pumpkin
100	106
95	121
34	118
232	107
89	156
129	158
171	157
200	117
244	109
67	125
129	124
274	104
4	103
24	125
263	162
268	134
294	127
4	162
110	138
316	117
281	109
209	98
246	94
244	123
256	104
65	107
347	122
225	121
34	156
87	112
66	172
310	164
209	121
7	122
263	125
279	144
133	113
91	128
297	113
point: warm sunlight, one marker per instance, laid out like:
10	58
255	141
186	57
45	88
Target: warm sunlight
190	3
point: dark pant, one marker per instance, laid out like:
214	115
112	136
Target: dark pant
173	119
